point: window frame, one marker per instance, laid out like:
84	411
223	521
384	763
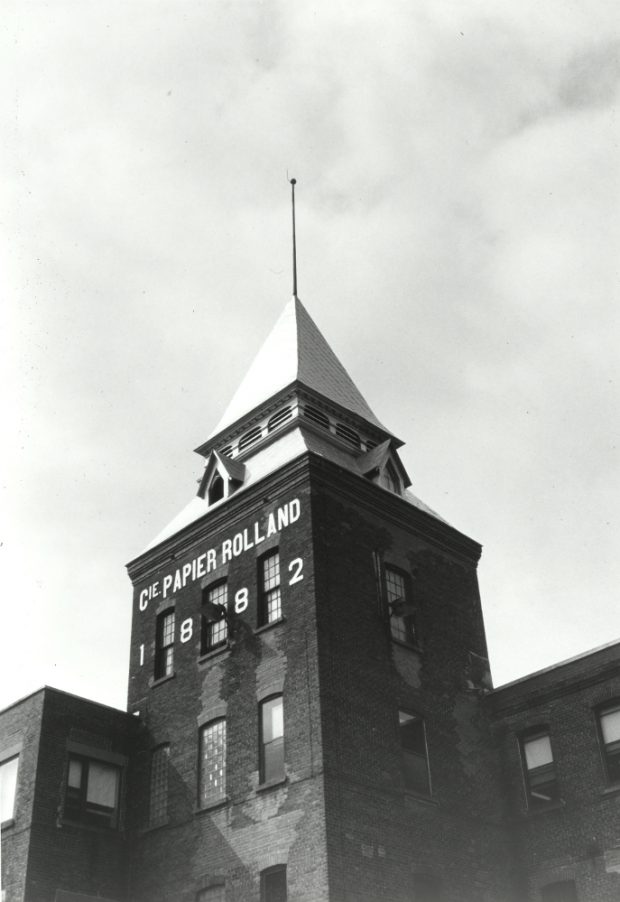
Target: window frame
265	875
204	800
159	785
164	653
8	756
409	635
408	753
77	811
532	735
263	744
207	645
264	594
608	707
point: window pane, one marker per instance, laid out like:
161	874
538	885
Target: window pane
8	786
610	726
212	763
74	779
273	760
216	631
158	808
273	721
415	759
271	599
538	752
272	740
102	784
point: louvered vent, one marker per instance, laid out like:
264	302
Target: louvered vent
316	416
278	418
348	435
227	451
249	438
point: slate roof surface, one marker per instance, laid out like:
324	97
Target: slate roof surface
295	350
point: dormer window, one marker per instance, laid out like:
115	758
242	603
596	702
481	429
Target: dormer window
389	480
216	489
221	478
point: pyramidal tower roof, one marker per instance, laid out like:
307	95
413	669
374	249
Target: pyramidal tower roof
295	351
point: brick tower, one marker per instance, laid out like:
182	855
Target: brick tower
307	662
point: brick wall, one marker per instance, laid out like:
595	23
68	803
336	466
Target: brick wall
20	727
255	827
577	837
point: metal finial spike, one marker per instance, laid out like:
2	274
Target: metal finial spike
293	183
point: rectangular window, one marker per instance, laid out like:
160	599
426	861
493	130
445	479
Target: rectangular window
271	740
8	788
214	630
164	645
273	884
562	891
427	888
92	792
609	723
270	597
212	780
400	607
540	776
415	757
212	894
158	799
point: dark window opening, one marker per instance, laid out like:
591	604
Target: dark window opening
540	776
212	780
609	725
400	607
164	644
273	884
561	891
269	594
415	756
271	740
92	792
214	627
216	489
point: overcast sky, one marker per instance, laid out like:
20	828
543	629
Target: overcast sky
458	241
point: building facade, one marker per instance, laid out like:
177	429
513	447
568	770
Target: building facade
310	713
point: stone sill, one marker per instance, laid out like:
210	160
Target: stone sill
164	679
268	626
221	803
272	784
214	653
